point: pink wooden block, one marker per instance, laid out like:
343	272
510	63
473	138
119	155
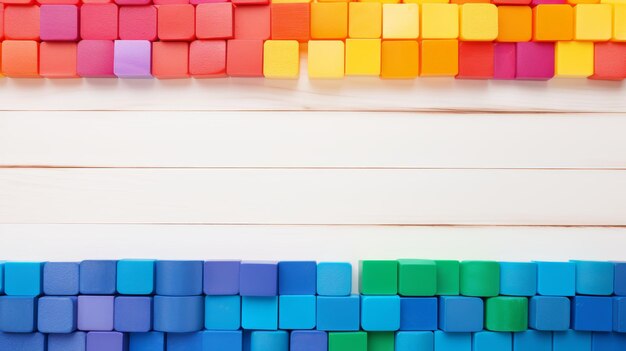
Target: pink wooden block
138	23
504	61
214	21
95	58
58	22
170	2
1	21
196	2
133	2
58	2
535	60
98	21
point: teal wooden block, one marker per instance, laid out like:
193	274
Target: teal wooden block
532	340
259	312
492	341
296	312
518	278
334	279
151	341
415	341
556	278
453	341
222	312
268	340
135	277
571	340
23	278
594	278
380	313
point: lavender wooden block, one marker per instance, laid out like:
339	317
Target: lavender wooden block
95	313
132	58
58	22
535	60
133	314
221	277
258	278
106	341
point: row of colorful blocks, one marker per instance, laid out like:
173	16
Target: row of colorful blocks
304	21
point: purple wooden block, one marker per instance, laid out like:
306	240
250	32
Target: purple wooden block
309	340
221	277
133	314
106	341
504	61
132	58
258	278
58	22
535	60
95	313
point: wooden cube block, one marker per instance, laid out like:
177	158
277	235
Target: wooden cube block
135	277
244	58
609	63
401	21
440	58
515	23
461	314
574	59
440	21
291	21
171	2
297	312
18	314
95	313
252	22
363	57
176	22
214	20
506	314
250	2
553	23
138	23
378	277
222	312
447	277
365	20
593	22
290	1
98	21
354	341
594	277
511	2
550	313
326	59
480	278
168	317
133	314
399	59
56	314
57	60
329	20
132	60
297	277
170	60
98	277
1	22
178	278
96	1
58	22
21	22
276	340
338	312
547	2
460	2
60	278
133	2
553	278
380	313
476	60
17	2
95	58
221	277
20	58
479	22
281	59
518	278
576	2
417	277
619	22
207	58
259	312
334	279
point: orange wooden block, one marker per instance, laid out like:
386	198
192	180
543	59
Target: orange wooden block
399	59
20	58
170	59
515	23
329	20
468	1
553	22
440	57
476	60
291	21
57	60
214	20
244	58
511	2
176	22
21	22
252	22
207	58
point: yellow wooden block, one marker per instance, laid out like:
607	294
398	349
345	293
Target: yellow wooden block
326	59
576	2
382	1
619	22
401	21
574	59
613	1
479	22
593	22
440	21
363	57
281	59
329	20
426	1
365	20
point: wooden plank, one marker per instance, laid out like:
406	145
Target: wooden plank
311	139
313	196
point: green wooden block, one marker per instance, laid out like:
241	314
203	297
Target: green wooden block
350	341
417	278
379	277
506	314
447	277
382	341
480	278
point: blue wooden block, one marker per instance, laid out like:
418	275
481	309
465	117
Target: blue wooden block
258	278
67	342
184	341
549	313
415	341
297	277
178	314
222	312
453	341
133	314
222	340
608	342
380	313
418	313
106	341
1	277
334	279
590	313
96	313
518	278
22	342
619	314
56	314
61	278
151	341
308	340
461	314
338	313
619	281
221	277
18	314
296	312
532	340
268	340
571	340
98	277
492	341
179	278
556	278
259	312
22	278
594	277
135	277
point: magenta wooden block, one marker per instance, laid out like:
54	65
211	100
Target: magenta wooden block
106	341
95	313
535	60
58	22
95	58
504	61
132	58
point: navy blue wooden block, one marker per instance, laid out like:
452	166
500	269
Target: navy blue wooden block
61	278
179	278
591	313
418	313
178	314
133	314
57	314
67	342
98	277
18	314
619	314
22	342
297	277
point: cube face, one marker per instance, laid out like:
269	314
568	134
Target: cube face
95	58
550	313
381	341
492	341
136	277
401	21
220	277
363	57
58	60
258	278
222	312
379	277
30	341
105	341
609	65
571	340
338	313
453	341
214	20
380	313
297	277
281	60
448	277
17	314
269	340
290	21
460	314
476	60
515	23
176	22
244	58
329	20
252	22
67	342
518	278
439	58
326	59
593	22
97	277
399	59
479	22
133	314
334	278
177	278
480	278
59	22
138	23
353	341
535	61
98	22
619	280
132	59
365	20
184	341
95	313
619	314
556	278
592	314
619	22
608	341
418	313
260	313
207	58
592	277
178	314
553	23
415	341
146	341
308	340
506	314
297	312
440	21
22	278
417	277
21	22
532	340
504	61
56	314
219	340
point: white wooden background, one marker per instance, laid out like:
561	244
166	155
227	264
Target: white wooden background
341	170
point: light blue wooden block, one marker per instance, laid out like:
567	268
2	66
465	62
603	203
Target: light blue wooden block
269	340
415	341
1	277
380	313
571	340
23	278
222	312
338	313
334	278
151	341
135	277
296	311
453	341
594	277
518	278
259	312
492	341
532	340
556	278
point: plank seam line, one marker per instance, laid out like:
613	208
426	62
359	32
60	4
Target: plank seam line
459	111
460	225
52	167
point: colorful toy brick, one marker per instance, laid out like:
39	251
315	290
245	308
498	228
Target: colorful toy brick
338	313
184	341
363	57
18	314
98	277
329	20
532	340
593	277
460	314
378	277
506	314
60	278
95	58
56	314
415	341
222	340
556	278
281	60
354	341
98	21
132	59
365	20
290	21
418	313
518	278
133	2
258	278
593	22
58	60
221	277
608	341
259	312
95	313
399	59
214	20
553	22
269	340
480	278
549	313
244	58
179	278
417	277
22	278
571	340
135	277
150	341
381	341
440	21
453	341
448	277
222	312
334	278
492	341
535	61
308	340
619	314
21	22
59	22
252	22
478	22
326	59
515	23
23	342
608	62
207	58
476	60
592	313
176	22
138	23
178	314
619	22
401	21
380	313
68	342
106	341
133	314
439	58
297	312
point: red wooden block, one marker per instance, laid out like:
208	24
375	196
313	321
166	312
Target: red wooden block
1	21
171	2
57	60
291	21
17	2
207	58
138	23
58	2
214	20
133	2
244	58
20	58
610	61
95	58
98	21
176	22
252	22
475	60
21	22
170	59
251	2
